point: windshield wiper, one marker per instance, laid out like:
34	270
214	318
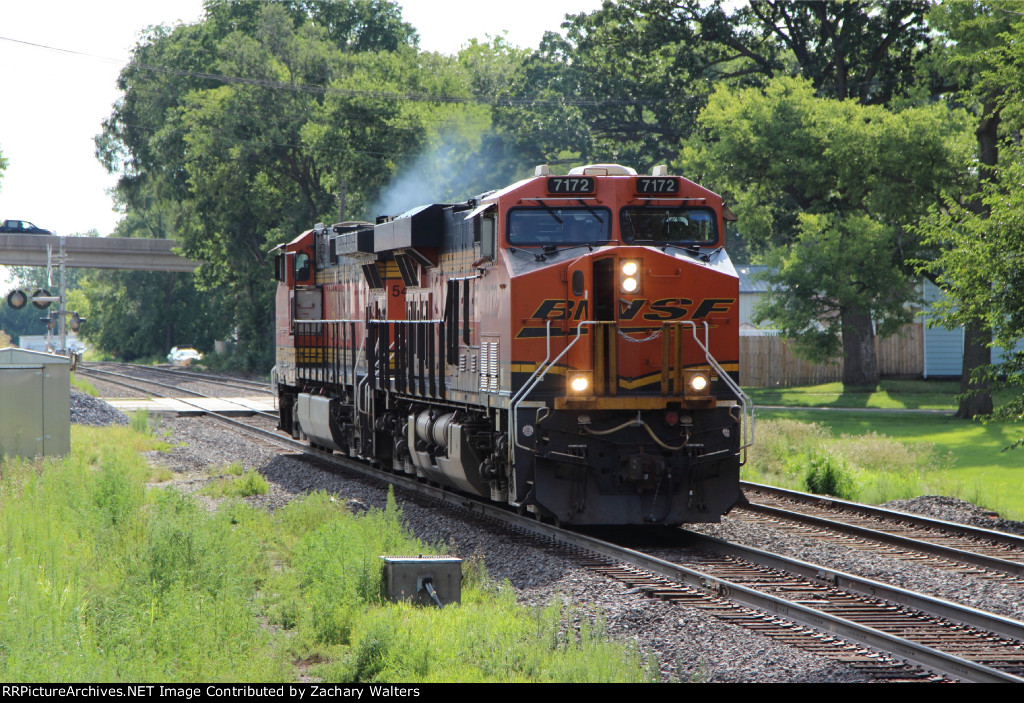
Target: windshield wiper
548	208
591	210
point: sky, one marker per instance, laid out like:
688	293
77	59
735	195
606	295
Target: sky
54	99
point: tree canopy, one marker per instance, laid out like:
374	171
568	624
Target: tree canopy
239	132
826	191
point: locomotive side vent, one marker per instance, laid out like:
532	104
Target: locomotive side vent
492	367
489	366
483	367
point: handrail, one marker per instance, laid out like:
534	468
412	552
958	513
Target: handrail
747	407
514	405
515	396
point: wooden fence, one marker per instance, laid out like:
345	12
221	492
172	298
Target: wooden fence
770	361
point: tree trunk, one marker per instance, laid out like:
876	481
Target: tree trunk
860	364
977	399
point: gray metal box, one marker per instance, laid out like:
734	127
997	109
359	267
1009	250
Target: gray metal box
405	578
35	402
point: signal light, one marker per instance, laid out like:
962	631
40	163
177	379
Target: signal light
41	293
17	299
75	322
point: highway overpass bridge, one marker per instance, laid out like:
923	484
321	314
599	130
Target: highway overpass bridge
93	252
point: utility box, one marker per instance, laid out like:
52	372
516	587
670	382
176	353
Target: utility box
422	580
35	403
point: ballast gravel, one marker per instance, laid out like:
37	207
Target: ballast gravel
686	643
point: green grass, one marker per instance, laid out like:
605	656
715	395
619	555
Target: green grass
84	386
887	395
251	483
898	455
105	579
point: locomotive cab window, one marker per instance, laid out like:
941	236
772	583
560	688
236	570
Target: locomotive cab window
666	225
280	274
559	225
302	268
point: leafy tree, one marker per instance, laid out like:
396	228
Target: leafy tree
863	50
624	84
247	123
826	190
982	267
979	234
971	67
141	314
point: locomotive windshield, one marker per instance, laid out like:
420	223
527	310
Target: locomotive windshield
665	225
559	225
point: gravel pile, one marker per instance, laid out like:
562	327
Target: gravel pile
687	643
956	510
86	410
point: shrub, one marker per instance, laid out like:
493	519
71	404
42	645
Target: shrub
827	474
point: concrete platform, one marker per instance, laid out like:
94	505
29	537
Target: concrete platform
188	406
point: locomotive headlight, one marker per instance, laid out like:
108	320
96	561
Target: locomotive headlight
630	284
698	382
579	383
630	268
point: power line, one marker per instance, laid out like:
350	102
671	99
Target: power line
383	95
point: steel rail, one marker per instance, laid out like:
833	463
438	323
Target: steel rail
962	556
937	607
94	372
914	652
257	386
1006	538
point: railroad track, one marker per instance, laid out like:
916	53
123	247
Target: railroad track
985	554
179	374
136	377
890	633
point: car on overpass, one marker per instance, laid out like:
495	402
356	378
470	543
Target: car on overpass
21	227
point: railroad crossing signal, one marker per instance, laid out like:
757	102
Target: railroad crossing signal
41	298
17	299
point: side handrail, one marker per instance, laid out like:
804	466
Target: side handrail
746	406
537	377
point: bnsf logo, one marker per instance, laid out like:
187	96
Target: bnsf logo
664	309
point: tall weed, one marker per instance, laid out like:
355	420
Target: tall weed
869	468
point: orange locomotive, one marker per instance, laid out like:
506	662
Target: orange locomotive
568	345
